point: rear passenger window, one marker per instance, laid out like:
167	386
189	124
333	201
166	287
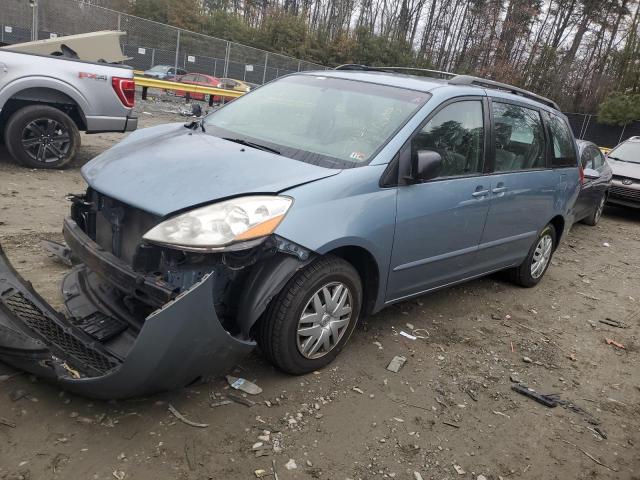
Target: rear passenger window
457	133
564	154
519	138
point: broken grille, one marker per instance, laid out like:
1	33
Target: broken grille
34	318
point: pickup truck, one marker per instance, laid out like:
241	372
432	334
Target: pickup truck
45	101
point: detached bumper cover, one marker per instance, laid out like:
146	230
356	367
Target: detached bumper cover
178	343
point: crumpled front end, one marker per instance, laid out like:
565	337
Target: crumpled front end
140	318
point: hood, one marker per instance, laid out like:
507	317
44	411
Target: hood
624	169
169	168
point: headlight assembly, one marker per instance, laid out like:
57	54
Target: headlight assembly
229	225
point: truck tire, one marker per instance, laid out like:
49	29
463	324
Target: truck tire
40	136
312	318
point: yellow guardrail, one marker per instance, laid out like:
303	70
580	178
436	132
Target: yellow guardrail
147	83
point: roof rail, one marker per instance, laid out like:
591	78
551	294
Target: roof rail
367	68
483	82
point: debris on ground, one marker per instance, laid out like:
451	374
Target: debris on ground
243	385
408	335
611	341
184	419
613	323
260	473
241	400
7	423
291	464
459	470
550	401
18	394
417	476
591	456
358	390
220	403
396	363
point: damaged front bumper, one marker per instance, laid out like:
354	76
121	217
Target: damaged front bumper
95	353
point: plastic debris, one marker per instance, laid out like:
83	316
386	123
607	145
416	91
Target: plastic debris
408	335
396	363
459	470
243	385
550	401
184	419
291	464
417	476
241	400
260	473
611	341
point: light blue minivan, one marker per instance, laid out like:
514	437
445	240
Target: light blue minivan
288	214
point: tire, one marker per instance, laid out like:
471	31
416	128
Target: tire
594	217
277	333
40	136
523	275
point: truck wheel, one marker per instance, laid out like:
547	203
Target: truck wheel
40	136
531	271
312	318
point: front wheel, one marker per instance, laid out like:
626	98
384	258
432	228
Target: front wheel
531	271
311	320
40	136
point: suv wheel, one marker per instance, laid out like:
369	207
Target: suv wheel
39	136
531	271
310	321
594	217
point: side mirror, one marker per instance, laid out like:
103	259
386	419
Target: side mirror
427	165
591	174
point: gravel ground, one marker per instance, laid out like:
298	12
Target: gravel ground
449	413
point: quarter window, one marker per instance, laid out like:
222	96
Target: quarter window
457	133
519	138
564	154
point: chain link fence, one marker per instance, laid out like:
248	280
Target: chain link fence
587	127
148	43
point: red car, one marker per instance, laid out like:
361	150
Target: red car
199	79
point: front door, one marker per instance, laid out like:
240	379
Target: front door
439	223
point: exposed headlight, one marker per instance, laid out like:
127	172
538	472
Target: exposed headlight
242	221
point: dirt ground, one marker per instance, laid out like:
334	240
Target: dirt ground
449	413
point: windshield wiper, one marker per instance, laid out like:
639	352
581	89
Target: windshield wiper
616	158
252	144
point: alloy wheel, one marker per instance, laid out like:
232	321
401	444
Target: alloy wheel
46	140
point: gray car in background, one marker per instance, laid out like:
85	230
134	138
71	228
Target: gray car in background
595	183
302	206
625	163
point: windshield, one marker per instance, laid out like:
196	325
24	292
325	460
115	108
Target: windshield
326	121
627	152
160	68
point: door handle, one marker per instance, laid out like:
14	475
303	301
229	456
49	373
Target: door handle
480	193
499	189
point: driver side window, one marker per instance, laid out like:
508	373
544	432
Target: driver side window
457	133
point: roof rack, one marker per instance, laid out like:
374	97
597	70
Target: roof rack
483	82
456	80
366	68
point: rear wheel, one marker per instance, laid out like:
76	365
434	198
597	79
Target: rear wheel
311	320
40	136
594	217
531	271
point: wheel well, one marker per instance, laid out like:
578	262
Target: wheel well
558	224
367	268
45	96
